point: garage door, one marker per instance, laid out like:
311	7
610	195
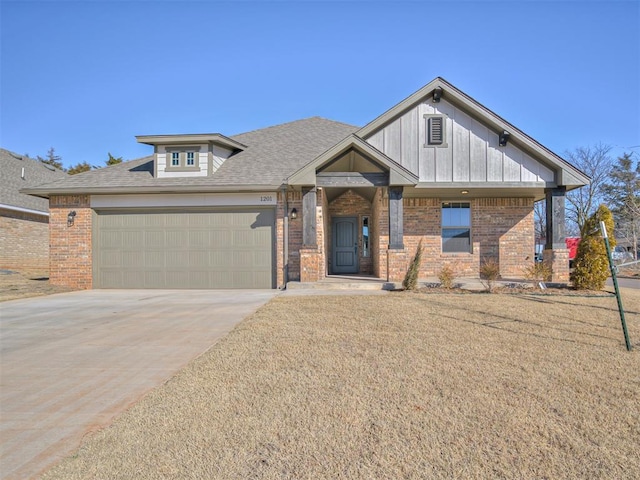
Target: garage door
187	249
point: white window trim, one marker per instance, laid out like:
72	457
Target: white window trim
183	153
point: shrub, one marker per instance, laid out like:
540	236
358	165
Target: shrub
591	263
489	273
538	272
446	277
410	281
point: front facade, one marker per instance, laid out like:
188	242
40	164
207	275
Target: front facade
300	201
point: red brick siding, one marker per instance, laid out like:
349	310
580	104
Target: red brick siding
70	246
379	243
24	241
502	229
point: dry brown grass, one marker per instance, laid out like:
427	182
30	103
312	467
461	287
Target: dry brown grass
407	385
25	284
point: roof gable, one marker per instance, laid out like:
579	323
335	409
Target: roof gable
528	151
398	175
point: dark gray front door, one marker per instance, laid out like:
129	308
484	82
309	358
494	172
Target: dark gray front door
345	245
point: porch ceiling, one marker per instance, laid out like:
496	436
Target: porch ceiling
334	192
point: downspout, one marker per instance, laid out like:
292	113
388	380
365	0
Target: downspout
285	239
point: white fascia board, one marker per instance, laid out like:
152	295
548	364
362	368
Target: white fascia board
185	200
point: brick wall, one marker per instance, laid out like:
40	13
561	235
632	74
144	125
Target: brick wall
502	230
379	242
350	204
294	200
24	241
70	246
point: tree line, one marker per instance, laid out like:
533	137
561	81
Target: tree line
56	161
615	183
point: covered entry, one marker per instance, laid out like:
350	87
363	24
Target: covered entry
345	179
221	248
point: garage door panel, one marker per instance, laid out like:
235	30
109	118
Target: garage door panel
213	249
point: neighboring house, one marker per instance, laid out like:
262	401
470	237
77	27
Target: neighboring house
315	197
24	219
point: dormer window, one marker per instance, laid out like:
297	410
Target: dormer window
183	158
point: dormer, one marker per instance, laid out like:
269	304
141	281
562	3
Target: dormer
191	155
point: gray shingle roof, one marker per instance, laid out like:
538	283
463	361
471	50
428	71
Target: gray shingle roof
272	154
11	181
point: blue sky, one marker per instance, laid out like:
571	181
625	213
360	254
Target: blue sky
85	77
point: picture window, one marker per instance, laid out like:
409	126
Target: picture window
456	227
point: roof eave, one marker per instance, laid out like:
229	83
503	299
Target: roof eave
185	139
114	190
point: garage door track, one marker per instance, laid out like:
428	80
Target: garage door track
71	362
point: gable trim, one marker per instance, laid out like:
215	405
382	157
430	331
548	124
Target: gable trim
398	175
564	170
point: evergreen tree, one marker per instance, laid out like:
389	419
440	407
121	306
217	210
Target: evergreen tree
591	263
52	159
112	160
79	168
623	194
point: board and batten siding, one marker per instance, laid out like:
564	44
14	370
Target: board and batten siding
470	153
210	158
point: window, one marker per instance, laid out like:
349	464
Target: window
435	135
185	158
365	236
456	227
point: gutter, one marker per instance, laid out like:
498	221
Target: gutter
23	210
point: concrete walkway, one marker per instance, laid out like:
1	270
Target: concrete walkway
71	362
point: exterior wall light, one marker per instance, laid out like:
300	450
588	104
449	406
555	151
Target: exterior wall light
464	192
437	94
294	214
71	218
503	138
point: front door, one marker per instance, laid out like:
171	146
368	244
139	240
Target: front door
345	245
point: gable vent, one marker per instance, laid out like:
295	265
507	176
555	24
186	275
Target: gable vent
436	130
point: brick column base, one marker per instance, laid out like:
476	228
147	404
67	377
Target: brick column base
558	261
310	263
397	264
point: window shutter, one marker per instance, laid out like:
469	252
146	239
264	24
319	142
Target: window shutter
436	130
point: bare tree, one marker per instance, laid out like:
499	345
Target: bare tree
540	221
596	163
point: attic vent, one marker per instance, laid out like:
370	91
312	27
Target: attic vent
435	130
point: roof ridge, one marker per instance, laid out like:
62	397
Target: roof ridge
291	122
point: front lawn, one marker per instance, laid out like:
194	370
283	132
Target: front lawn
405	385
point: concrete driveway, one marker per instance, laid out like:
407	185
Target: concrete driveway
71	362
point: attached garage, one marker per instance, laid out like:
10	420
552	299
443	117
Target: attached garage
169	248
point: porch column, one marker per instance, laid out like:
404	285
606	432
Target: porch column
397	259
396	241
310	256
556	254
309	217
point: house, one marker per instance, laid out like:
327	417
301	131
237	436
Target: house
24	219
315	197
